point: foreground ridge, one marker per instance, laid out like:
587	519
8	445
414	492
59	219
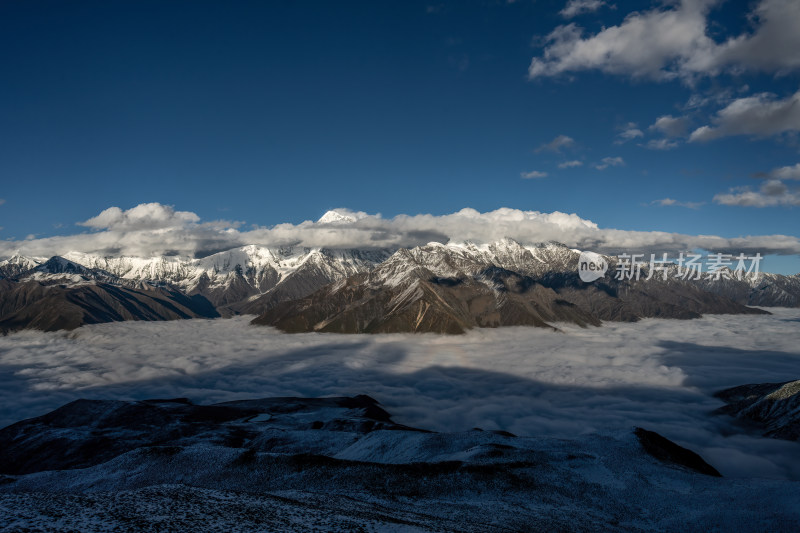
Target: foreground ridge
342	462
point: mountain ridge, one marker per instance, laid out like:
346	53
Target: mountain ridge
449	289
497	278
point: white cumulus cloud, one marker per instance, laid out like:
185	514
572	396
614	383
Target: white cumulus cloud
533	174
610	162
771	193
760	115
661	144
629	131
673	202
671	126
143	216
581	7
786	173
561	141
671	41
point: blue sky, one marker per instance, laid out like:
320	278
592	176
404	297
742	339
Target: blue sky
272	112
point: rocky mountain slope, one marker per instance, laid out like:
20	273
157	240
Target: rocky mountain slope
769	290
59	294
445	288
448	289
16	265
67	292
329	463
772	407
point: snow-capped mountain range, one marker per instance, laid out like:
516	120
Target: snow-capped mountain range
225	277
253	279
239	274
452	288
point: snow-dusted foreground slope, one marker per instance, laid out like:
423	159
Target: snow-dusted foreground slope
341	463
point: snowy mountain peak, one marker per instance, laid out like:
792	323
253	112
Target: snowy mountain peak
508	242
17	264
57	269
21	261
59	265
340	216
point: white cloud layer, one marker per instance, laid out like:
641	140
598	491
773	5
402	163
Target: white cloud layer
561	141
533	174
760	115
570	164
672	202
160	230
658	374
661	144
771	193
629	132
671	126
789	172
610	162
672	42
575	8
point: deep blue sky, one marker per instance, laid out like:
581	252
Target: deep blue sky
273	112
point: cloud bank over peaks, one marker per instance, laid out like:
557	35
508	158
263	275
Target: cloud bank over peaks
141	217
154	229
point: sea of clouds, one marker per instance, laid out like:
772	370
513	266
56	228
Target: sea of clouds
659	374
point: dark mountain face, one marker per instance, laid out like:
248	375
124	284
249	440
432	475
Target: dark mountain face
426	303
667	451
438	289
631	300
52	306
774	408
